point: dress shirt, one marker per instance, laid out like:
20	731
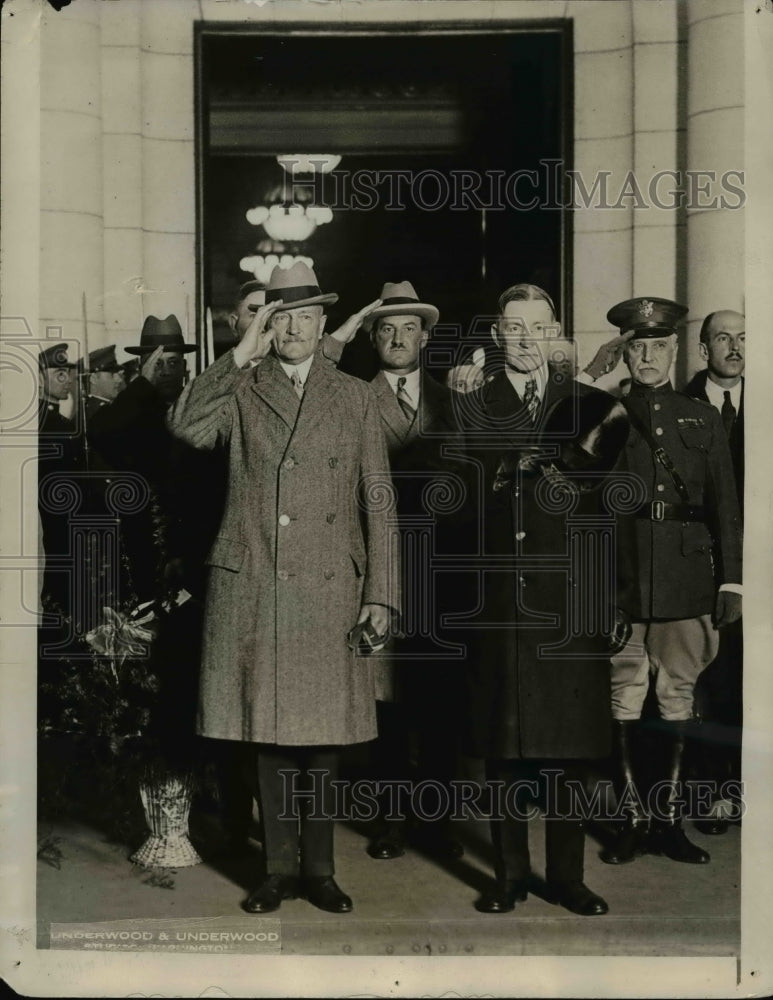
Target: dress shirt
716	394
411	388
302	369
518	380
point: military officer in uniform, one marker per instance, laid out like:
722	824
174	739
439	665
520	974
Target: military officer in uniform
679	573
106	379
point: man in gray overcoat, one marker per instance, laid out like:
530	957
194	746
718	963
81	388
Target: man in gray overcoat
301	556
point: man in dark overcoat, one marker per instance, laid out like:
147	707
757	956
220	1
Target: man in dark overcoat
538	706
417	682
679	574
718	693
301	556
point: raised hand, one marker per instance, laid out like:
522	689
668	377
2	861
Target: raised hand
148	369
258	337
608	355
349	328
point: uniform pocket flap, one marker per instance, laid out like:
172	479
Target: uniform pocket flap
695	437
227	554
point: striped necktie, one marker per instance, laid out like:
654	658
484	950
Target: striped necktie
404	399
295	378
531	399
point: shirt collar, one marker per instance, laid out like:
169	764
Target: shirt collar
302	369
716	394
412	384
518	380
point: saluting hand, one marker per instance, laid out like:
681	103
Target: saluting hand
608	355
728	608
148	369
348	329
258	337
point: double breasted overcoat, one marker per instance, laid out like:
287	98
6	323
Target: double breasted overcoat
524	699
304	541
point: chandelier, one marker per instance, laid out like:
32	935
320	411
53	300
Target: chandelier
308	163
292	223
261	266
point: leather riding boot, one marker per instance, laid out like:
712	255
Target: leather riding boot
631	841
667	836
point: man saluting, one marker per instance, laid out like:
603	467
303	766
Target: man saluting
302	554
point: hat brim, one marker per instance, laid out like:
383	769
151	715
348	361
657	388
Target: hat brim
170	348
328	299
423	309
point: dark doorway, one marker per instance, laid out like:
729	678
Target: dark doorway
448	139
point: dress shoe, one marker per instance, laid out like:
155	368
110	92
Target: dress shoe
715	826
325	895
578	898
270	893
386	847
630	843
502	897
669	839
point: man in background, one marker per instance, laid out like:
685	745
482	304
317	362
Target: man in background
718	693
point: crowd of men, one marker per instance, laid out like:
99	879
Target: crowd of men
512	566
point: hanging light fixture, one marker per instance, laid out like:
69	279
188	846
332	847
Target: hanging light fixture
289	223
261	266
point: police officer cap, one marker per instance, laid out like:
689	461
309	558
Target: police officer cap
648	317
55	357
103	360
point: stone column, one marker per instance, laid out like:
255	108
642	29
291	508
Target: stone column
71	260
715	142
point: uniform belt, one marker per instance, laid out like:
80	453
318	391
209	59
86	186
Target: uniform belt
660	510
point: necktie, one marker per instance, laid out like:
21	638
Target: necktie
728	412
530	399
404	400
295	378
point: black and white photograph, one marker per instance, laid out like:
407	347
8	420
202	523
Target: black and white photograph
386	526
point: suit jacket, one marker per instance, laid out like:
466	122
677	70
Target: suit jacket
523	701
304	542
696	388
427	483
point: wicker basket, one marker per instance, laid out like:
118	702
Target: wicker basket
166	800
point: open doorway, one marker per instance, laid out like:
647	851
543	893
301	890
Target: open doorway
436	157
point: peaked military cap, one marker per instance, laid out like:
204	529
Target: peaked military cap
55	357
103	360
648	317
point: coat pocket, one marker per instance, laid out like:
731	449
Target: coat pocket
695	538
227	554
359	559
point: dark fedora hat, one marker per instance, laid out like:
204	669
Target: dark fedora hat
647	317
165	333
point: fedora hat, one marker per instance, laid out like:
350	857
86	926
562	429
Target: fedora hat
296	286
165	333
400	299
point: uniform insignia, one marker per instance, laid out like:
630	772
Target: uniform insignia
691	421
646	308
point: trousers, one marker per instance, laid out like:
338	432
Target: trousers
674	653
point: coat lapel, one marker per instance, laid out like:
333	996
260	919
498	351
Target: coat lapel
276	390
390	410
321	386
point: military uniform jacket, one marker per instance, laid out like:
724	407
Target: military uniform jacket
671	569
303	543
522	700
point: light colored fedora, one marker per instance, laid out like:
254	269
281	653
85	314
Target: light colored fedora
296	286
400	299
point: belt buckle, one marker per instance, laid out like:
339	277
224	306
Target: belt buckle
657	510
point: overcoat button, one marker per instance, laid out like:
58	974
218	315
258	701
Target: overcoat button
284	520
330	518
332	462
661	487
288	463
658	431
329	574
282	574
657	406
